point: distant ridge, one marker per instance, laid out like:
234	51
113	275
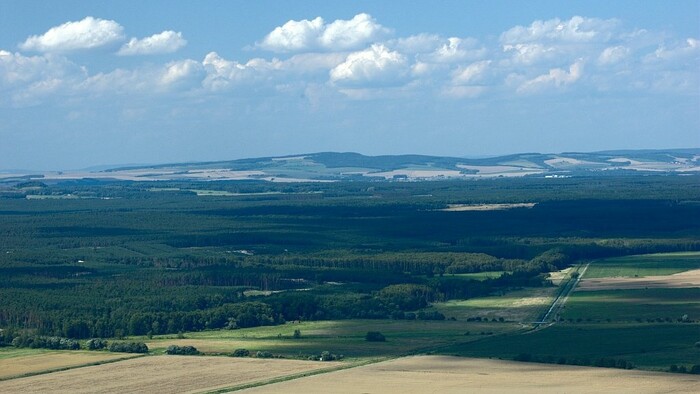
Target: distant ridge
339	166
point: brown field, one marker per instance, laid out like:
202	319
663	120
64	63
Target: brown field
49	361
162	374
679	280
442	374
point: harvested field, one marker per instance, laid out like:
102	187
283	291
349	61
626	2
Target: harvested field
52	360
162	374
443	374
485	207
679	280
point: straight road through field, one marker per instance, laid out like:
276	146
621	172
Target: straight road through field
563	295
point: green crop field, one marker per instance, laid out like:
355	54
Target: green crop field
346	337
639	305
653	346
644	265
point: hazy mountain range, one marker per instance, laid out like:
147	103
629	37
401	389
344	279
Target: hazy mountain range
333	166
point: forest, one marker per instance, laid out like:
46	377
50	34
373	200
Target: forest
96	259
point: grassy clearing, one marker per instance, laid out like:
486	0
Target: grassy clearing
650	346
482	275
519	306
21	362
633	305
644	265
346	337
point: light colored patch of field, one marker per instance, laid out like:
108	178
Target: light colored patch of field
558	276
52	197
519	306
565	162
41	360
162	374
680	280
443	374
418	174
485	207
501	171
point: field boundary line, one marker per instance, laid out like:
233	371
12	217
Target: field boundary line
297	376
92	364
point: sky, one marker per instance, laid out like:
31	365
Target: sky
90	83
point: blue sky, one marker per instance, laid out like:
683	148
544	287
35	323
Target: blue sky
85	83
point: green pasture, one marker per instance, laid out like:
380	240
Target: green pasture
345	337
649	346
644	265
633	305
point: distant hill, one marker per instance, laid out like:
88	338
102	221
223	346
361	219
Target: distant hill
335	166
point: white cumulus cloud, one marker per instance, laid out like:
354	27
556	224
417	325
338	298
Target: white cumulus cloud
85	34
576	29
555	78
376	64
471	73
314	34
613	55
165	42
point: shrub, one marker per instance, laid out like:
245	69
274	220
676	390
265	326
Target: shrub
182	350
297	334
96	344
56	343
326	356
128	347
375	336
240	353
695	369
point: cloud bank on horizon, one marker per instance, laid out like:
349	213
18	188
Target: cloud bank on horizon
74	91
361	59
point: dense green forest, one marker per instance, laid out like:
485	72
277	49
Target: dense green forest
108	259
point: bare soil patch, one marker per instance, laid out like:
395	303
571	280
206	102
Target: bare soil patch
442	374
35	363
162	374
680	280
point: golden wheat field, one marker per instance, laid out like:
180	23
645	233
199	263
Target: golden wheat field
442	374
162	374
48	361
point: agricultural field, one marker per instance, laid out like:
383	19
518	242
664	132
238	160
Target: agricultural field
164	374
345	337
521	306
440	374
647	346
656	264
22	362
